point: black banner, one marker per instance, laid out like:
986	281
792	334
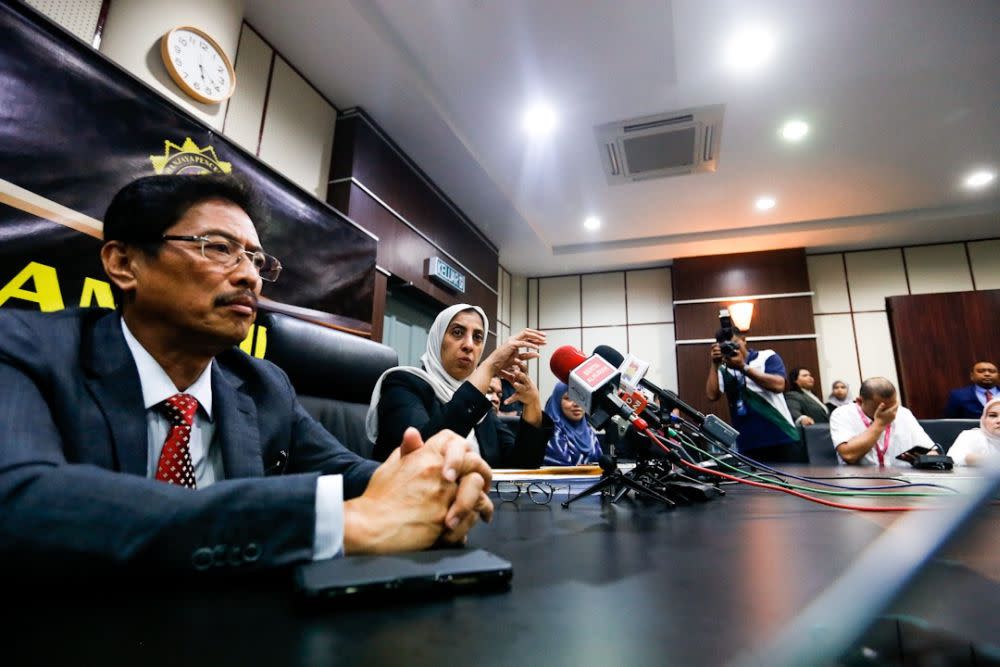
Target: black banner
74	128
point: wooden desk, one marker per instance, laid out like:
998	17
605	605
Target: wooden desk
625	584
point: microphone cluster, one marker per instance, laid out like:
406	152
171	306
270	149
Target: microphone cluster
610	387
607	384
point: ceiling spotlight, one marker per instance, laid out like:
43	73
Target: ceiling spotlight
539	120
794	130
749	48
765	203
592	222
980	178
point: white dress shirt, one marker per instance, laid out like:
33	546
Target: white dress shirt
206	454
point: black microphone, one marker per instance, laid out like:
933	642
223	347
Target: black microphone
635	400
710	424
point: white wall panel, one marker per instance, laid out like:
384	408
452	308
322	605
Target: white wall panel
875	346
874	275
655	343
559	302
518	302
77	16
246	106
501	298
650	296
503	333
603	299
828	283
985	256
298	130
616	337
938	268
838	355
504	296
556	339
533	303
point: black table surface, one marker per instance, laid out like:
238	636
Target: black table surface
630	583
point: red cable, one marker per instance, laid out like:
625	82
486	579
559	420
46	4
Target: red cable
821	501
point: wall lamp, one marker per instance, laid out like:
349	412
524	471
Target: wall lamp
742	314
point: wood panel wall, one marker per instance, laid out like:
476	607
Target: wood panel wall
936	340
375	185
741	275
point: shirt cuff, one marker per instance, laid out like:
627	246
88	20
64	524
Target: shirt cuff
328	540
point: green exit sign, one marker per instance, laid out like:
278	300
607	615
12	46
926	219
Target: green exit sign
445	274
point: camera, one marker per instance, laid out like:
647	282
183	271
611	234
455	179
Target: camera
725	334
729	349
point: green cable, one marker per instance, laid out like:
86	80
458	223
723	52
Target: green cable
677	434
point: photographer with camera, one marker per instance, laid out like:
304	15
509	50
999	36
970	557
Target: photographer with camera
752	382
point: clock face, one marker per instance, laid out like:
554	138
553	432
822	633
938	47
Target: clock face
198	64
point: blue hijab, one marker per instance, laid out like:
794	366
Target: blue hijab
572	443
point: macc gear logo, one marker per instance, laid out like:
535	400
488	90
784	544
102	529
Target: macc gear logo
188	159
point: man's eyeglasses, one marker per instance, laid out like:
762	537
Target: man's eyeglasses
539	493
228	253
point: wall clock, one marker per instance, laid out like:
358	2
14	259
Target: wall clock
198	65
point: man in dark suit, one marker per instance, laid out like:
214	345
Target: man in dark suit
968	402
107	416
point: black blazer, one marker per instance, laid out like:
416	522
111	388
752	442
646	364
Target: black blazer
73	486
799	404
408	400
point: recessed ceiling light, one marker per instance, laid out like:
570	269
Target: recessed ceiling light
539	120
592	222
764	203
794	130
749	48
980	178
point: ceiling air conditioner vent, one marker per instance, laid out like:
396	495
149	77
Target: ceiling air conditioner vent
668	144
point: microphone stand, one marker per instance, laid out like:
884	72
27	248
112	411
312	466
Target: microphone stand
618	482
662	475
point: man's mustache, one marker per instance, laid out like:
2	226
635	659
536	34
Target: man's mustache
245	297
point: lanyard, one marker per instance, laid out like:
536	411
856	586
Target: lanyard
880	451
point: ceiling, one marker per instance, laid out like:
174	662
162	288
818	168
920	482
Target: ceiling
902	98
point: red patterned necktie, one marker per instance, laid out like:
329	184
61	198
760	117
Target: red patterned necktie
175	465
989	396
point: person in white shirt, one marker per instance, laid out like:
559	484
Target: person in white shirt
875	429
979	446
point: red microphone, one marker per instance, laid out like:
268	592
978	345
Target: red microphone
564	360
592	383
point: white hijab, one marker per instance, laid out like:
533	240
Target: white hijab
977	440
433	372
833	400
991	440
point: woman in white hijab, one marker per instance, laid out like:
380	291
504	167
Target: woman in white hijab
979	445
840	395
449	392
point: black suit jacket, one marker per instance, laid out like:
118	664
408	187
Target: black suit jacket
73	449
408	400
799	404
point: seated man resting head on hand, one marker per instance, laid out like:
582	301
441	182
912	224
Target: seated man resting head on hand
876	429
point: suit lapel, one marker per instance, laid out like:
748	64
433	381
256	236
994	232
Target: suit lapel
113	382
235	425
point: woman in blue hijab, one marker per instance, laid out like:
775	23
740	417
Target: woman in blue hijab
573	441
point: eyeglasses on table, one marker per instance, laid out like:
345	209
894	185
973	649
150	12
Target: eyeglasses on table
540	493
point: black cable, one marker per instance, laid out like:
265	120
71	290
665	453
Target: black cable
757	464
